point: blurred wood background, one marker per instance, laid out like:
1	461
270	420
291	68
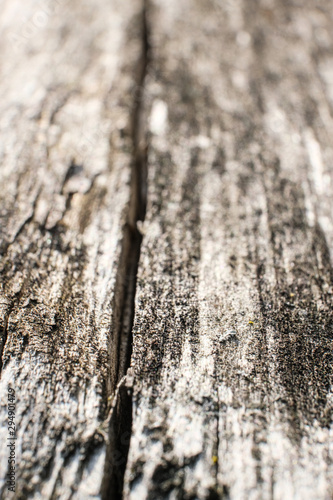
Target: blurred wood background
166	240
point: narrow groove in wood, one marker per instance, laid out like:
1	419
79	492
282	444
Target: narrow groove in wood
6	309
121	413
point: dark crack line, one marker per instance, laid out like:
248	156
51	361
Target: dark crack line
4	334
120	424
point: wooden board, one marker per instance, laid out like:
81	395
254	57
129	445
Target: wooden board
226	219
69	78
232	341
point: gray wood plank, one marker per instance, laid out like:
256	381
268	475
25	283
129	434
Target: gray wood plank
232	340
69	72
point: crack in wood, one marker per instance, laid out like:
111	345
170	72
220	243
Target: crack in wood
5	310
120	422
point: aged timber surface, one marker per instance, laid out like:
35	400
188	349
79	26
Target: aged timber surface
229	390
232	340
69	71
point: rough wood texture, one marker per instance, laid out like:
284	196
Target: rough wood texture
68	75
232	341
229	393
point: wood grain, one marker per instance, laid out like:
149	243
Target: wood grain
69	72
166	203
232	341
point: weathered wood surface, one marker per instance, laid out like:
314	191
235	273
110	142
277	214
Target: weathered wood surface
68	76
229	390
232	341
